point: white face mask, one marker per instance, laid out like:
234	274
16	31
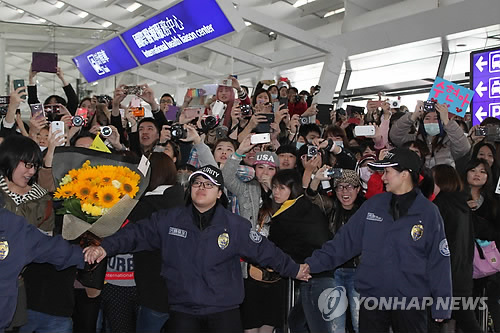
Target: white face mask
274	96
339	143
43	148
299	144
365	173
432	129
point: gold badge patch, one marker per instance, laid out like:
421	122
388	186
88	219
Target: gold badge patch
4	250
417	232
223	240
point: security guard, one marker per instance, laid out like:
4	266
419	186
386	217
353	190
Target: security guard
201	246
20	244
404	252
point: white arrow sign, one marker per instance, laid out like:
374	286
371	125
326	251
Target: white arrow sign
480	114
480	64
480	88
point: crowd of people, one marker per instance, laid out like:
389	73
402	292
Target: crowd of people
244	188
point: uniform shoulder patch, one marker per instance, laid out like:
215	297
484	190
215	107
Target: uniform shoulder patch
255	236
443	248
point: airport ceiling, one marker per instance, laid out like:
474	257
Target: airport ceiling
279	35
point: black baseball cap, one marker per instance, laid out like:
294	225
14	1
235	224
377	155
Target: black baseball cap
403	158
209	172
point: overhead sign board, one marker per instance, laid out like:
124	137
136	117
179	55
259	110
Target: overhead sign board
182	26
485	81
106	59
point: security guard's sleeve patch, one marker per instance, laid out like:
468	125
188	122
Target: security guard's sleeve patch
443	248
255	237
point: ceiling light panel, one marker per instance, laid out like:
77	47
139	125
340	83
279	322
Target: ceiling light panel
133	7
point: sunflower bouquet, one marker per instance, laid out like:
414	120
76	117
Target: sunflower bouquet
96	198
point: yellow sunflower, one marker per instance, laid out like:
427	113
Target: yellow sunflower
64	192
83	189
73	173
108	196
129	187
88	174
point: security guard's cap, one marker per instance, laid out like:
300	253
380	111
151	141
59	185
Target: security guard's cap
403	158
209	172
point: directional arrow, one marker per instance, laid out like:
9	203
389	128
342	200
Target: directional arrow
480	114
480	88
480	63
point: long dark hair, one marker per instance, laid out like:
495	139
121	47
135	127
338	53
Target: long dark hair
291	179
447	178
495	168
163	171
487	190
18	148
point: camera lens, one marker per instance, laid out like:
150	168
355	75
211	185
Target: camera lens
106	131
77	121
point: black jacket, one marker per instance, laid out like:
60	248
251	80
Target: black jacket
459	232
151	288
300	229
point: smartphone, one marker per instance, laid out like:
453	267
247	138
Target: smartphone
218	109
323	114
171	113
368	130
276	106
227	83
44	62
19	83
256	139
194	92
192	112
57	126
138	111
133	90
5	100
35	108
266	126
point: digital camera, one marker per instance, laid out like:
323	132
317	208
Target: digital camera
105	131
304	120
334	173
178	132
312	151
394	104
246	110
429	106
77	121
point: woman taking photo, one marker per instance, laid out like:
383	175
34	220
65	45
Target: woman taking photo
339	210
299	227
445	138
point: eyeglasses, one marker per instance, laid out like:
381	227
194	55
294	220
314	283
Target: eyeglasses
256	149
207	185
29	165
348	188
